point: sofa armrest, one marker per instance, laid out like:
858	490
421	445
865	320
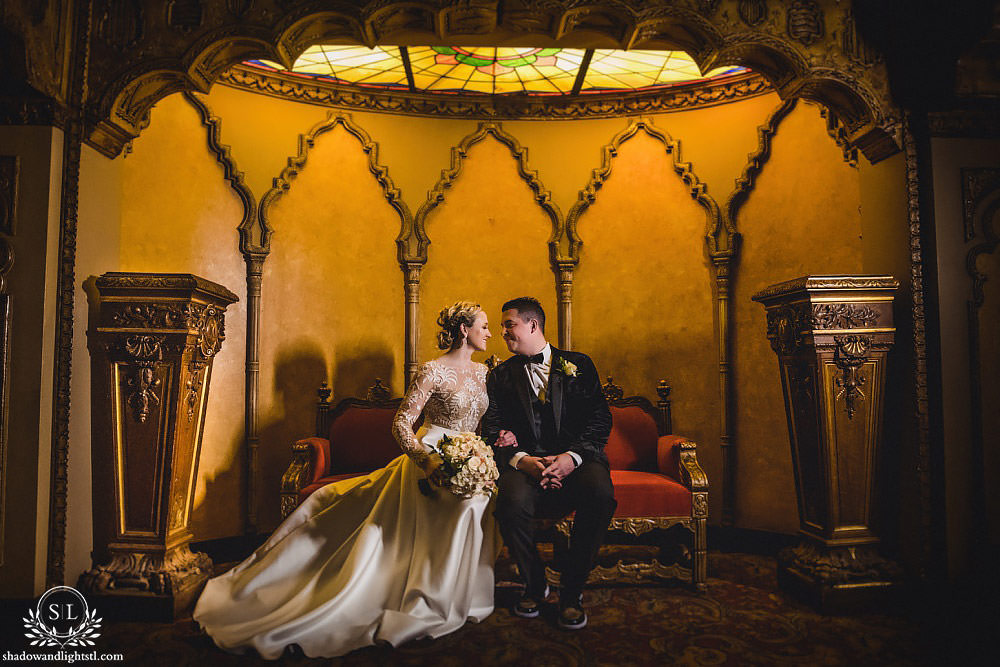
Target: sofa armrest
676	456
310	463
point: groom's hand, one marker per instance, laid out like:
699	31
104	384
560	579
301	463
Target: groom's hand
556	469
506	439
532	466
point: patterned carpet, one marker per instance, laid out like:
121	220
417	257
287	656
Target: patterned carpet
742	620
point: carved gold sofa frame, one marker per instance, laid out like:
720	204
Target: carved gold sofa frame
658	484
657	479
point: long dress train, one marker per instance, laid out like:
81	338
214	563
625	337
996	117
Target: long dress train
369	559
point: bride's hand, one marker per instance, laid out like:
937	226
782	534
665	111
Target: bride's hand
438	478
430	463
506	439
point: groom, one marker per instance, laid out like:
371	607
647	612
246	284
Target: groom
549	421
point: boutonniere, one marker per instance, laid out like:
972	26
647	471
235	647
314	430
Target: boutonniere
567	368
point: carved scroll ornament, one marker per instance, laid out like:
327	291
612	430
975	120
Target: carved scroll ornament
843	316
145	352
849	357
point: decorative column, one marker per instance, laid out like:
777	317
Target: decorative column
251	424
832	335
564	294
152	348
411	286
723	262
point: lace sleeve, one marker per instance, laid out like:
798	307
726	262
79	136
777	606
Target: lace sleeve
414	401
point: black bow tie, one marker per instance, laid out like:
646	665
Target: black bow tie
533	358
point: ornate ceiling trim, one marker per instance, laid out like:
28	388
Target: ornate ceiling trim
609	152
413	245
838	133
32	111
295	164
678	98
804	49
966	123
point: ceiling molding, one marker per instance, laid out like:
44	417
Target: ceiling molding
676	98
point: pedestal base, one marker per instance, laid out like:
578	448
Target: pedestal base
850	598
135	605
144	587
839	580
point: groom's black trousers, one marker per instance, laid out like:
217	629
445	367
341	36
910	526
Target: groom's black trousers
587	490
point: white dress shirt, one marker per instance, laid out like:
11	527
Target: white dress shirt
538	374
538	377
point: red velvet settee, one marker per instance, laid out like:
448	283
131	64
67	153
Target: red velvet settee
658	482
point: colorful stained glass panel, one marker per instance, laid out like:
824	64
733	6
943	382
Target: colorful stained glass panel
498	70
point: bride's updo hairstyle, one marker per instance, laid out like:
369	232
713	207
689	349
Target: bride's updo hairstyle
452	318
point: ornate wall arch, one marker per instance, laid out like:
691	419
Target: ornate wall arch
599	175
715	229
253	255
413	240
295	164
723	243
413	243
255	233
723	240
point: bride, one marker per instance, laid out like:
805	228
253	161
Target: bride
371	559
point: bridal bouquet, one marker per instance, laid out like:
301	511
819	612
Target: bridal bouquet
468	465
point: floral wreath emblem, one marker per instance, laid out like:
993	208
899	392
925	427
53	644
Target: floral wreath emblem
567	368
42	634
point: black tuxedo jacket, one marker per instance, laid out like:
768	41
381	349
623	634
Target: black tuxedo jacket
582	418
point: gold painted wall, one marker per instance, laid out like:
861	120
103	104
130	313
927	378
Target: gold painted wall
179	215
643	304
801	218
489	243
332	298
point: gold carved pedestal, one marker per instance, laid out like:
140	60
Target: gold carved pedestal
152	347
832	335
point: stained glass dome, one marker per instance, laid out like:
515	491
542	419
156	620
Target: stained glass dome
498	70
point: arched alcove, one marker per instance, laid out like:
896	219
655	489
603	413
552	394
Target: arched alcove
643	305
332	281
489	242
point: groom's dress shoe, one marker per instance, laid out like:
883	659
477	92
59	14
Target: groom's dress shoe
572	616
528	606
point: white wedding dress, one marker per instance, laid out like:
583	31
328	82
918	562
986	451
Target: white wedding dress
370	559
